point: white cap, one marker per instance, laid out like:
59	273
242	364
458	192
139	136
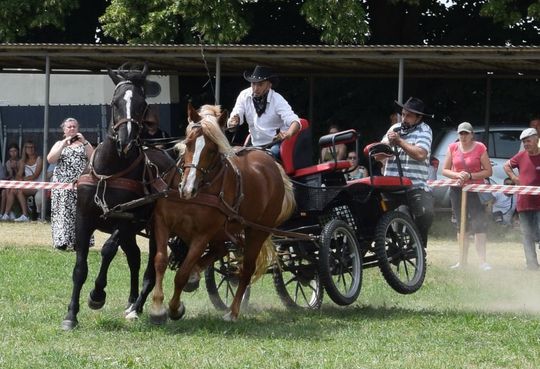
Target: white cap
528	133
465	127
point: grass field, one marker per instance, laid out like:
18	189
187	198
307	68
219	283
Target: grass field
458	319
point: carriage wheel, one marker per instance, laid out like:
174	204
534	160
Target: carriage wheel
296	278
399	249
340	262
221	280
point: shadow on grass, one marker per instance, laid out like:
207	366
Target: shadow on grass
279	323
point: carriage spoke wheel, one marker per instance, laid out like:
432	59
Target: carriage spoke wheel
340	262
221	280
401	256
296	278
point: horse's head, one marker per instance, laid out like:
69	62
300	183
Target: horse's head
128	107
203	149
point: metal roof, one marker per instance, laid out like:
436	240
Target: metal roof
298	60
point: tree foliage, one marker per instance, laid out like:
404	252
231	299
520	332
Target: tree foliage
17	17
489	22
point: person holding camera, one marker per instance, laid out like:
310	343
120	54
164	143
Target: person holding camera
71	155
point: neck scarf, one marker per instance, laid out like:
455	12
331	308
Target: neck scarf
260	103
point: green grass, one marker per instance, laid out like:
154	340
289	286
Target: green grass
465	319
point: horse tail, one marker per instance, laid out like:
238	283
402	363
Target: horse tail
289	203
267	256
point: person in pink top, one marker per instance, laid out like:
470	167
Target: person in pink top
528	206
468	162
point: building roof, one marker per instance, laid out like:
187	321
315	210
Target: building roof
292	60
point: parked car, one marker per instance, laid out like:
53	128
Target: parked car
503	143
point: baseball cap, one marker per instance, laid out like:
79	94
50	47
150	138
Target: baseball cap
465	127
528	133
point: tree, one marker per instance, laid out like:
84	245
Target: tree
492	22
18	17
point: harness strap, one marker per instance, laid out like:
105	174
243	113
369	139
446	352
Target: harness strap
213	201
126	184
115	175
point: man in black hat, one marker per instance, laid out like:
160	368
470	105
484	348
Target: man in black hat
412	139
265	111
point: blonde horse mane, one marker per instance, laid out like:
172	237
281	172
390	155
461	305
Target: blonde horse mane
211	129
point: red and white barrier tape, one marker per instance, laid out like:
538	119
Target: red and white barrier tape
25	185
522	190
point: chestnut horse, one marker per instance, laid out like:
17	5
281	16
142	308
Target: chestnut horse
221	194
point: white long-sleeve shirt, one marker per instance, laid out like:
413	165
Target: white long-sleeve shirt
278	115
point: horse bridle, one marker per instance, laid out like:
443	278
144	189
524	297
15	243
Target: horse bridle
116	127
203	170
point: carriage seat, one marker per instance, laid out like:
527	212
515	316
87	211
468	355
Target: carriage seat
384	183
296	151
378	151
343	137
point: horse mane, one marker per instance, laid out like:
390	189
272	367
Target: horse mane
211	129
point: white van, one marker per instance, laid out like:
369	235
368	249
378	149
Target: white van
504	143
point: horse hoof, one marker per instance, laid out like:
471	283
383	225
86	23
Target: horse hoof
68	325
93	304
159	317
230	318
179	313
191	285
132	315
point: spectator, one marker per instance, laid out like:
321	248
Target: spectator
71	155
468	162
28	169
535	123
328	153
151	130
394	118
265	111
412	139
46	193
528	206
504	206
10	171
356	171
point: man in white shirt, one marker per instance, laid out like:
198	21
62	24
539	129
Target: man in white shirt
268	115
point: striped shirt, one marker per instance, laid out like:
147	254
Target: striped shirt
416	171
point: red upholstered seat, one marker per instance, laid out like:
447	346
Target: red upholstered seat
296	151
388	183
330	166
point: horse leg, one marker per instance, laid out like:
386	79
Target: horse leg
97	296
149	280
133	255
80	272
216	251
253	244
196	249
158	314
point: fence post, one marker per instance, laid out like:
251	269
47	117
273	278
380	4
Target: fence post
462	227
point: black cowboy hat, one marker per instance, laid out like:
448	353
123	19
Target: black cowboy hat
261	74
414	105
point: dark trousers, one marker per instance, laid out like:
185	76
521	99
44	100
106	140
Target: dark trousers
421	206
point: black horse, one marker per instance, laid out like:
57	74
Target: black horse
119	172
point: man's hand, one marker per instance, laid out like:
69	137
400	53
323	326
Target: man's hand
394	138
233	121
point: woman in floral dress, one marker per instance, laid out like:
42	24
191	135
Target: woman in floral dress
71	155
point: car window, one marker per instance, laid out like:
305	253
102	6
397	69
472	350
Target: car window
502	144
